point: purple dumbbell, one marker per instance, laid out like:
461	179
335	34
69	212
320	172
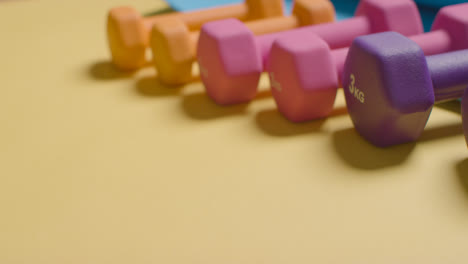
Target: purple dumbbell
391	86
232	59
306	74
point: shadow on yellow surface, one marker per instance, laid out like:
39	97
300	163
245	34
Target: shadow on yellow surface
199	106
462	170
274	124
359	153
447	131
451	106
152	87
105	70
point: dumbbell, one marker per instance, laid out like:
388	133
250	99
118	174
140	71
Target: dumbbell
128	32
174	46
305	74
234	59
391	86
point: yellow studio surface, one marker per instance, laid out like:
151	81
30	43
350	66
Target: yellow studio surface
101	167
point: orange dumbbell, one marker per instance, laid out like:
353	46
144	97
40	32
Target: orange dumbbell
174	45
128	32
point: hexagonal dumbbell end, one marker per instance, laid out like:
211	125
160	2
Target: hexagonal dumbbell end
127	38
260	9
392	15
388	88
230	63
311	87
311	12
454	20
173	48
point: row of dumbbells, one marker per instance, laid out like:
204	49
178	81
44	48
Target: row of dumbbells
378	56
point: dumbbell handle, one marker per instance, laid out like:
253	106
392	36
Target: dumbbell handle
449	74
339	57
338	34
275	24
261	27
195	19
434	42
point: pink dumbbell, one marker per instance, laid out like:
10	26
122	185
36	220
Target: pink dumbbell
232	58
305	74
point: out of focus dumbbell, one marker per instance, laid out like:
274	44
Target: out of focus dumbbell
128	32
174	46
233	59
305	74
391	86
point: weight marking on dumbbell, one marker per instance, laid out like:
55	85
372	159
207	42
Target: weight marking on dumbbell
402	104
203	70
352	85
359	95
274	83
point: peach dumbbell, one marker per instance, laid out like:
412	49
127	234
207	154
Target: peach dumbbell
128	32
174	45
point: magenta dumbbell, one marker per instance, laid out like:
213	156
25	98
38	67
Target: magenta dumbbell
391	86
232	58
305	75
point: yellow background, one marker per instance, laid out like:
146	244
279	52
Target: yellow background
101	167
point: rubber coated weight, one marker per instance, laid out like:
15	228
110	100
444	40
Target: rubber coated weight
305	89
128	32
174	46
391	86
234	60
